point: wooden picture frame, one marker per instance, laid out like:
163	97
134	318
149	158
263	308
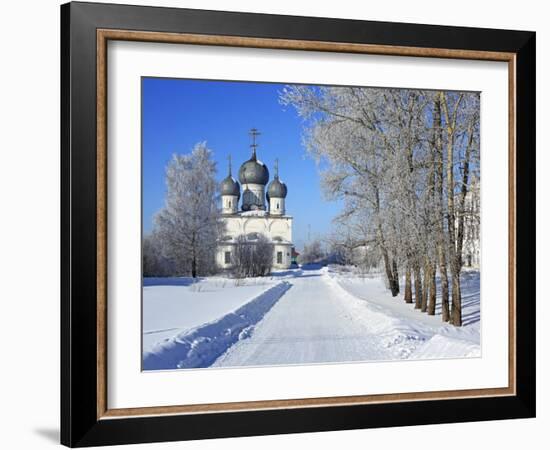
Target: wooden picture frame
85	416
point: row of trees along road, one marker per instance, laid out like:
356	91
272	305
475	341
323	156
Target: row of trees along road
406	165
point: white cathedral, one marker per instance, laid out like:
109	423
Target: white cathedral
255	216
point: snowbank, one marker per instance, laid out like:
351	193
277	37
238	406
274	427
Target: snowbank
201	346
448	347
406	332
174	305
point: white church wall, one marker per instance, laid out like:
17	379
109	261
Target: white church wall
277	206
278	228
281	227
233	226
255	225
221	256
282	254
229	204
272	227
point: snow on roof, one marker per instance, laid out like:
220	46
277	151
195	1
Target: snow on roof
233	239
256	212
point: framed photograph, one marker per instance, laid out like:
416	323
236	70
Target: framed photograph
276	224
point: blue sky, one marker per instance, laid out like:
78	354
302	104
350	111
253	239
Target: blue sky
178	113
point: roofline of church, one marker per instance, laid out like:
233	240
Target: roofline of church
266	215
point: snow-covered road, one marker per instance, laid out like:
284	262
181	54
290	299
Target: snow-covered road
326	318
320	315
311	323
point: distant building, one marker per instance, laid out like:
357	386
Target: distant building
261	212
294	256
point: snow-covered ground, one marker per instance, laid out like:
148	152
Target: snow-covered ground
174	305
298	316
406	332
201	346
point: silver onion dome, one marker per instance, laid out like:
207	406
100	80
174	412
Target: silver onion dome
276	189
253	171
230	186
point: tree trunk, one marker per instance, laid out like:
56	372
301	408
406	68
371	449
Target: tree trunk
455	280
440	213
383	249
432	297
451	214
426	291
395	278
456	307
463	193
408	285
194	267
444	281
417	286
389	272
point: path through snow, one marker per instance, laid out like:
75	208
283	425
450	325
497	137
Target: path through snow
321	315
324	319
309	324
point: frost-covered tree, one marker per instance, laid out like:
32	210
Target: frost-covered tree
312	253
461	129
155	264
401	161
470	252
348	246
188	226
252	256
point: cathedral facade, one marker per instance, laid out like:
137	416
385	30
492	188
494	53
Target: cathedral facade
261	212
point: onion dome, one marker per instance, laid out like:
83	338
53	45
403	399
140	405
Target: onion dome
276	189
230	186
253	171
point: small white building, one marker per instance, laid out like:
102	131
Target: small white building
261	212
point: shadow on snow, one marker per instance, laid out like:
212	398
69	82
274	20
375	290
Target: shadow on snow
201	346
170	281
